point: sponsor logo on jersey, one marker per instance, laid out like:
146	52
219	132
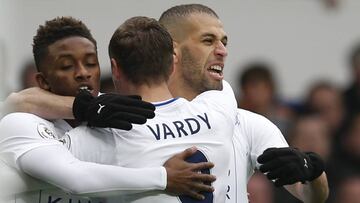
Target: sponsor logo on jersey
53	196
45	132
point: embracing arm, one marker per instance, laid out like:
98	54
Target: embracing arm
289	166
316	191
286	166
57	166
39	102
107	110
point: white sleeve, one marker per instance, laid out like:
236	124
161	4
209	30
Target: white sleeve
27	143
13	181
56	165
260	132
21	132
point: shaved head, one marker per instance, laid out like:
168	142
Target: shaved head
176	17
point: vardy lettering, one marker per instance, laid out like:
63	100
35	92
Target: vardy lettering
180	128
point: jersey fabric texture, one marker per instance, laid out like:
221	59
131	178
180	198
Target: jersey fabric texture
253	134
20	133
206	122
38	147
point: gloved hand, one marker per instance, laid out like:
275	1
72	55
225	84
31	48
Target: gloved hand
289	165
111	110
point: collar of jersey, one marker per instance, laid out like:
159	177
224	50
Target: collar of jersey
162	103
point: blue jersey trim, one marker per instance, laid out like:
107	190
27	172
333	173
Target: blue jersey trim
166	102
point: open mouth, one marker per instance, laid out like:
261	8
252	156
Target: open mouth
86	88
216	71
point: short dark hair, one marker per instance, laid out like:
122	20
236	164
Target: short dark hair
143	49
184	10
355	53
256	71
173	17
54	30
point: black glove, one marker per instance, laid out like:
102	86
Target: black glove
111	110
289	165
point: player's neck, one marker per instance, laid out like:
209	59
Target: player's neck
180	89
153	93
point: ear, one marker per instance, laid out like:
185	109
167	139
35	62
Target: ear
42	81
115	69
176	52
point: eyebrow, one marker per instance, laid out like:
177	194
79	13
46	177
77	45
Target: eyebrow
207	34
66	55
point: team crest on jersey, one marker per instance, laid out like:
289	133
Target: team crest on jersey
45	132
66	141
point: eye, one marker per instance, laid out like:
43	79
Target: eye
91	64
91	61
224	42
66	67
208	41
66	64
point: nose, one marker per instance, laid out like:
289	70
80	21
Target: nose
82	73
220	50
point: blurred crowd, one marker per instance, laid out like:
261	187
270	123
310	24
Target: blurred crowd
326	121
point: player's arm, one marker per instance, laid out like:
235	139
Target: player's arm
57	166
271	154
314	191
290	166
107	110
39	102
46	158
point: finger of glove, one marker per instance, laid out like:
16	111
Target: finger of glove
275	174
317	165
272	153
132	102
285	181
127	117
110	114
112	99
144	112
119	124
278	162
135	96
113	108
114	96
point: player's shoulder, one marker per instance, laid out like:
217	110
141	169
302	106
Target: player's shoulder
252	122
15	122
19	117
248	116
227	89
223	100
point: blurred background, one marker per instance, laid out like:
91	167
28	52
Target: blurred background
296	62
303	39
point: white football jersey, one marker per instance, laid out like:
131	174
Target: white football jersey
35	146
24	132
253	134
207	122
